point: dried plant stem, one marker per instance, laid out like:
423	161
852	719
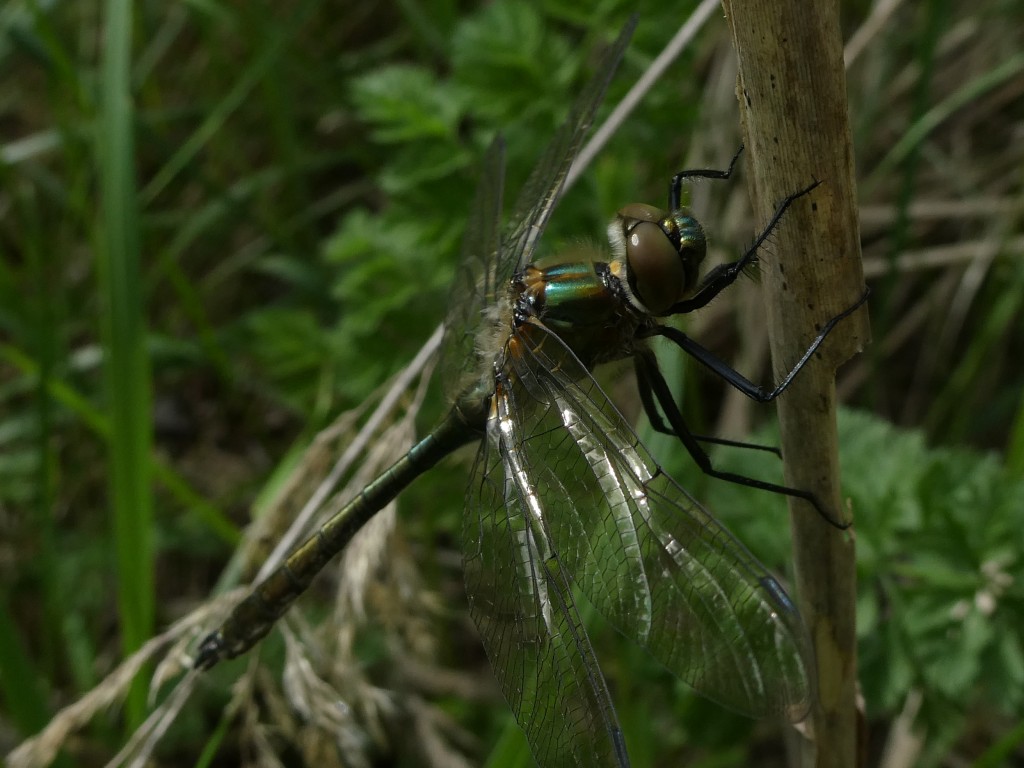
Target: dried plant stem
792	96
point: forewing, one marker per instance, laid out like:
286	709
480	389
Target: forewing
647	555
521	601
476	283
540	194
487	260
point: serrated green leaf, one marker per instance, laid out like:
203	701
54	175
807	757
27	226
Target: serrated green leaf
506	59
415	167
406	103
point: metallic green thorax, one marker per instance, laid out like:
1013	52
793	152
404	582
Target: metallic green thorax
583	303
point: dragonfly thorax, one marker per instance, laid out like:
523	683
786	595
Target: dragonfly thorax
581	300
662	252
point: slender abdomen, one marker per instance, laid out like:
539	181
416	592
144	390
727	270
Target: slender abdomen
253	618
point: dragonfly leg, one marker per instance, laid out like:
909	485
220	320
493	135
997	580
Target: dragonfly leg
663	394
674	187
739	444
736	379
654	417
724	275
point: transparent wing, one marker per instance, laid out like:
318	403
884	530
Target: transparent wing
520	598
539	195
476	284
646	554
487	261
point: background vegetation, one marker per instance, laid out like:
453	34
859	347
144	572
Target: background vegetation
268	237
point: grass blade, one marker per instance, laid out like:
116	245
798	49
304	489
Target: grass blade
126	364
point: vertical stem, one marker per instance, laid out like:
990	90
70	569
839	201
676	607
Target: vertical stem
792	94
126	362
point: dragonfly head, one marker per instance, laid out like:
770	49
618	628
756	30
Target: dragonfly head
663	253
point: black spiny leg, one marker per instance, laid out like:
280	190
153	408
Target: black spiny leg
654	416
724	275
660	389
675	186
736	379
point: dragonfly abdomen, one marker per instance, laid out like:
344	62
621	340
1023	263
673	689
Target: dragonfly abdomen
253	618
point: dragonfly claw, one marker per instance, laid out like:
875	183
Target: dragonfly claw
210	651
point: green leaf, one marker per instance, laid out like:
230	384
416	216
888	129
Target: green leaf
506	58
406	103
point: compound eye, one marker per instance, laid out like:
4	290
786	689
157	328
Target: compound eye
641	212
657	275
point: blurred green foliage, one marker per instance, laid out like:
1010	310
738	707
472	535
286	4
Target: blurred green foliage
303	174
939	563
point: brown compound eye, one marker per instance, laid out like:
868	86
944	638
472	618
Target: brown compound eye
663	253
656	273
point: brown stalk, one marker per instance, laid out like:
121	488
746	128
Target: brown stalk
792	94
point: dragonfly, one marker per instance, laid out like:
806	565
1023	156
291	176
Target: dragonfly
563	499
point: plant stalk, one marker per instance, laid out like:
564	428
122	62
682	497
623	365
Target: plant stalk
792	94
